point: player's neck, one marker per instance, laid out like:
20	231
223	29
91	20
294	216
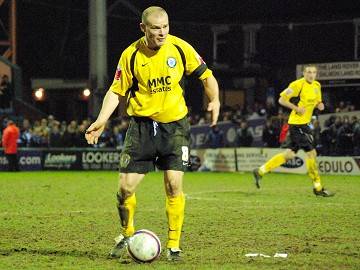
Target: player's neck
151	47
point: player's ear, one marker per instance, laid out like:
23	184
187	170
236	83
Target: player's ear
142	27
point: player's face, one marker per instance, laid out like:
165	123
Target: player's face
310	74
156	30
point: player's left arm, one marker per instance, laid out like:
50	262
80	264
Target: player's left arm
212	92
197	67
320	105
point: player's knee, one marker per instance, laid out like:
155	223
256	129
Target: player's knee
126	190
311	154
289	154
125	193
127	186
173	188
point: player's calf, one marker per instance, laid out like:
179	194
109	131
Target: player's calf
257	177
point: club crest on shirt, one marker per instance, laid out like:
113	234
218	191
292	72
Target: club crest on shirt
316	90
171	62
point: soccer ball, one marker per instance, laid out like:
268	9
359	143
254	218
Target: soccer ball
144	246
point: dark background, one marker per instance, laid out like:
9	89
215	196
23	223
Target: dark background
53	34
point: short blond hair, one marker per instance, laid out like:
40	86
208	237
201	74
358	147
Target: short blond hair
309	65
151	10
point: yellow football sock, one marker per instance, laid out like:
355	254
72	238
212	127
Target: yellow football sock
175	213
272	163
313	173
126	209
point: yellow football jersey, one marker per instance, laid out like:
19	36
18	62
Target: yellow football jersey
310	97
154	80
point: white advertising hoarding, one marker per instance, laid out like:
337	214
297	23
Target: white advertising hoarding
251	158
247	159
220	159
339	165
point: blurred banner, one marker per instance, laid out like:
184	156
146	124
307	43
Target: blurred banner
220	159
64	159
336	73
29	160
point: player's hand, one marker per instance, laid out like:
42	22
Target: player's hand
214	108
300	110
93	132
320	106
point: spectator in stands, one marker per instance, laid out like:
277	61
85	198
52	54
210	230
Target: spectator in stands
51	122
270	136
206	119
2	99
37	138
70	134
316	131
79	137
9	142
356	136
252	114
55	137
6	93
104	139
227	116
333	135
284	128
117	138
243	135
344	137
215	138
124	125
25	133
270	108
63	127
340	107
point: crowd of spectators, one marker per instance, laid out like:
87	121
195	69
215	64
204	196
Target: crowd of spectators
49	132
339	136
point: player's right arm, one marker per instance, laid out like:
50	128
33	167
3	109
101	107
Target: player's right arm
285	96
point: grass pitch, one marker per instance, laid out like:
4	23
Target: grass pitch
67	220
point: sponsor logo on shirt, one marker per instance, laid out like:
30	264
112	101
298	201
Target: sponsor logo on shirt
161	84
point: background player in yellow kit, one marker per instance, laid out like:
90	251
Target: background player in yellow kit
308	92
151	74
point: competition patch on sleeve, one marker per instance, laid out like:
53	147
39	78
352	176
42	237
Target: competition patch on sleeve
118	73
200	59
289	91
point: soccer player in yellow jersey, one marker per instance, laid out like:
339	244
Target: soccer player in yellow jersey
308	92
151	75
